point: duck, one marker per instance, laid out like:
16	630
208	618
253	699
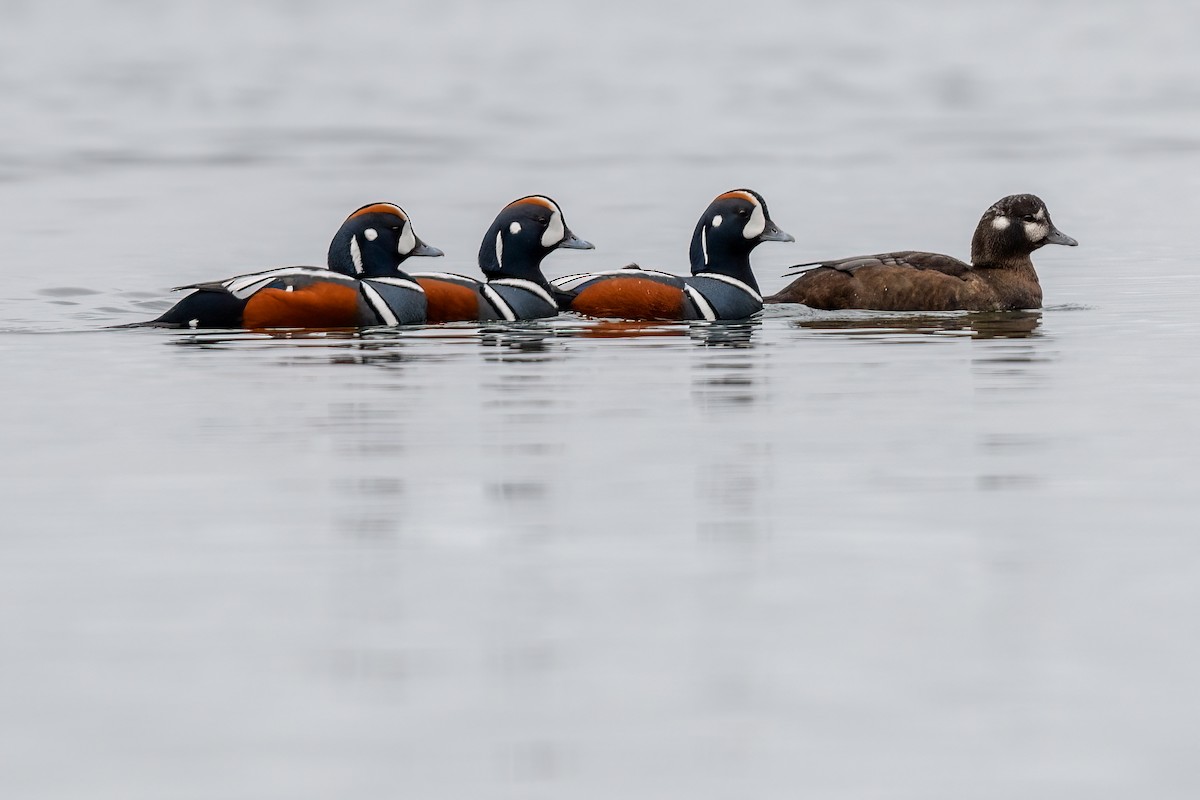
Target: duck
1000	276
362	285
510	257
722	285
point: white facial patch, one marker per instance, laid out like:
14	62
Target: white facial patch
757	223
408	240
1036	231
370	234
704	244
555	230
1041	213
515	228
356	254
500	248
716	222
1000	223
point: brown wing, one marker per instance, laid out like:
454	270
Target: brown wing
901	281
914	259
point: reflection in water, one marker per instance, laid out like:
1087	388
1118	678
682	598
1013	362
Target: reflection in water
524	340
725	334
622	329
985	325
729	382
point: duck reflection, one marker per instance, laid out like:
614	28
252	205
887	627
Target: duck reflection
981	325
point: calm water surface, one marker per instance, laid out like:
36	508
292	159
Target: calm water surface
813	555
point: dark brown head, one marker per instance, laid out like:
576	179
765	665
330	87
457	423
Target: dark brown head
1012	229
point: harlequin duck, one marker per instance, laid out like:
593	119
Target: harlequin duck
363	286
1000	276
525	232
721	286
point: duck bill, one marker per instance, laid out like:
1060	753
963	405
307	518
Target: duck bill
573	242
773	234
423	249
1058	237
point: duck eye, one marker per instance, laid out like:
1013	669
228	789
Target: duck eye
1029	218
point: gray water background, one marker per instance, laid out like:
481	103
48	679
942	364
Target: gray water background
816	555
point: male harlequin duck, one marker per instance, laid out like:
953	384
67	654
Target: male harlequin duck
363	286
524	233
721	286
1000	276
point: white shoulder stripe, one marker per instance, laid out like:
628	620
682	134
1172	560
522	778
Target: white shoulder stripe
379	305
528	286
733	282
702	304
498	302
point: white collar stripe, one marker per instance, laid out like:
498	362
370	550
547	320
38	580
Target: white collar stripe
401	283
528	286
734	282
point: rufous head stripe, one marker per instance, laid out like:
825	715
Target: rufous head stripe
738	194
380	208
534	200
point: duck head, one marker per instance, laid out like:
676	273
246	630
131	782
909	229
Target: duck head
374	241
730	228
1013	228
525	232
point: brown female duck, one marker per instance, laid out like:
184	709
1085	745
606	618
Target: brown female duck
1000	276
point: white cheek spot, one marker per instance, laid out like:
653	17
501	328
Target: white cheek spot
555	230
1000	223
757	223
704	244
408	240
1041	213
515	228
716	223
500	248
370	234
356	254
1036	231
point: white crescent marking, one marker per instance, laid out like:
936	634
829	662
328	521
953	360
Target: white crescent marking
757	223
555	230
408	240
